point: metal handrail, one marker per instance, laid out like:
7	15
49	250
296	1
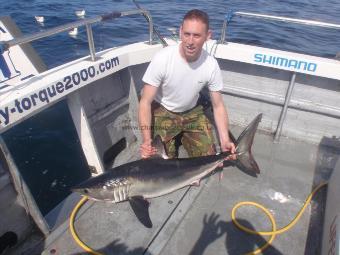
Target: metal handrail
161	38
85	22
290	88
315	23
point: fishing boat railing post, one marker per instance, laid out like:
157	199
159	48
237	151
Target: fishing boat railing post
223	32
85	22
151	28
285	108
91	42
147	16
226	21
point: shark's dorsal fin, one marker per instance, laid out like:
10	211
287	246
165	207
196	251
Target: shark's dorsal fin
141	209
158	144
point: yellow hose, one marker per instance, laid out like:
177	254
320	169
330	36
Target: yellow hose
274	232
73	231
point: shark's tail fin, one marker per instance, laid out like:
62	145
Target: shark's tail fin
245	160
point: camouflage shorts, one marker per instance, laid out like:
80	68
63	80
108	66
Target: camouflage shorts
192	128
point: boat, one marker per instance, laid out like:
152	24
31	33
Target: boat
297	147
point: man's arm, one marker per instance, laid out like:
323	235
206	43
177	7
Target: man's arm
144	119
221	121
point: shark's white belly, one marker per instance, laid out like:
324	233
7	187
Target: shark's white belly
158	188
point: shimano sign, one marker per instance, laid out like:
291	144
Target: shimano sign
297	65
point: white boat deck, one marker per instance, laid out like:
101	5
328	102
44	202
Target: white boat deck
197	220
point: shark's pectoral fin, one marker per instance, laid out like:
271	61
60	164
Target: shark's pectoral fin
140	207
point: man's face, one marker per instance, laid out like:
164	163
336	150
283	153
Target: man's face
193	34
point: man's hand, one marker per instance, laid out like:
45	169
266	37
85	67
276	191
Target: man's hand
147	150
229	146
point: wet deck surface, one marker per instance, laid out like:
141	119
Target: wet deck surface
197	220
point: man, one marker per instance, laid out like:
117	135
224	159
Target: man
174	79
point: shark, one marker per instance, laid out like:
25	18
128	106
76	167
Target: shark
144	179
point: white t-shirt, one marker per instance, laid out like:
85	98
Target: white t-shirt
179	82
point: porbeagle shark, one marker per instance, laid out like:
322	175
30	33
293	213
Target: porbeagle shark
143	179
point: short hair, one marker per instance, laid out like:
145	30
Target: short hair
197	15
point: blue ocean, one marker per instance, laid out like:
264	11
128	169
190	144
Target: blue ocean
46	148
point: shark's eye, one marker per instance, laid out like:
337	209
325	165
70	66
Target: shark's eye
86	191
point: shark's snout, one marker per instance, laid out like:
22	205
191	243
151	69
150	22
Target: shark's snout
80	188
